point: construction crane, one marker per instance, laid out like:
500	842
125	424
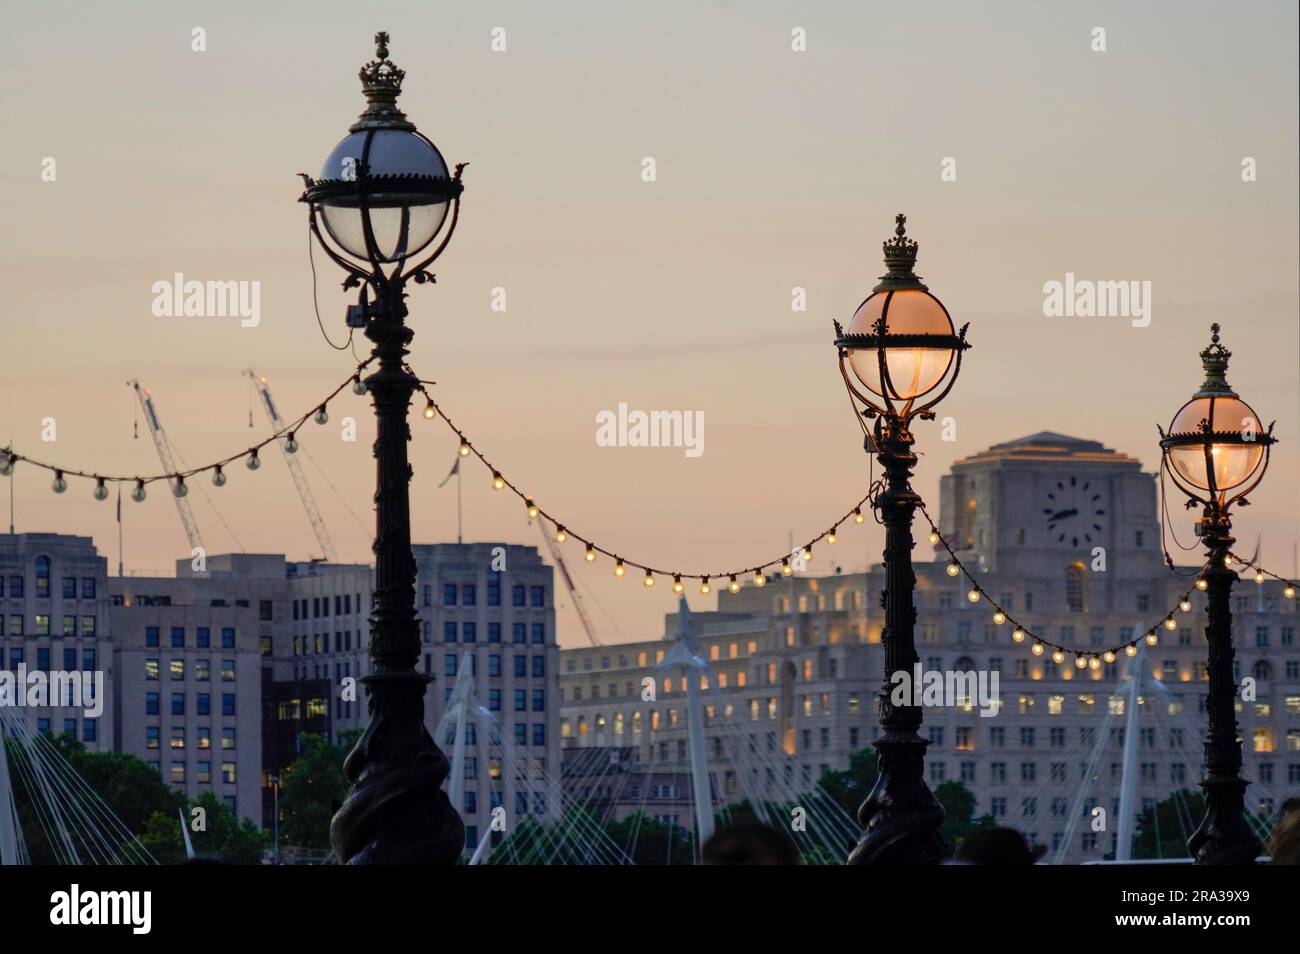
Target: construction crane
165	455
568	584
295	468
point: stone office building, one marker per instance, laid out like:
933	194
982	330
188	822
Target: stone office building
54	616
1063	533
189	654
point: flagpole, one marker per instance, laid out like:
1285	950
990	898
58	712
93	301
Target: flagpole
119	529
459	537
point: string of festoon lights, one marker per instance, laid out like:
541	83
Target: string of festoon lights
1091	658
9	457
733	580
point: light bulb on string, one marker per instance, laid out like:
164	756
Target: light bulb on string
973	596
218	476
590	555
358	386
618	567
1202	583
1259	577
464	448
1131	649
807	552
1109	656
1152	638
430	412
953	569
759	578
179	488
6	463
1185	605
1080	662
1037	649
786	568
1170	624
1018	636
322	416
101	489
252	461
1058	657
934	537
1094	663
532	507
830	537
1289	592
649	579
704	586
138	493
59	485
858	516
291	444
678	586
999	617
498	482
560	535
733	584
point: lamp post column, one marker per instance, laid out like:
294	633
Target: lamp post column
1224	837
901	815
396	811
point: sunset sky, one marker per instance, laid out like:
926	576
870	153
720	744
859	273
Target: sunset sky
775	169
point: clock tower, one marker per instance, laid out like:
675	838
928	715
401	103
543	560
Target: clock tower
1050	507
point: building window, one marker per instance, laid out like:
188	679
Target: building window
227	703
449	594
539	633
178	703
227	670
449	632
494	632
1076	588
517	595
203	637
151	703
228	773
69	587
449	664
494	591
42	576
151	670
227	637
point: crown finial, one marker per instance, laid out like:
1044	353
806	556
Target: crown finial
900	257
381	81
1214	359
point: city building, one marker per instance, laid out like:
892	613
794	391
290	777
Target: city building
54	617
1064	534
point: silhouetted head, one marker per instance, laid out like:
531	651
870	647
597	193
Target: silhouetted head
1284	843
750	843
1000	846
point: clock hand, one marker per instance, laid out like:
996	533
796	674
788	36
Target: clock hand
1063	514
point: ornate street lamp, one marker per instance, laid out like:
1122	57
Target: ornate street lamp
1216	452
903	350
383	197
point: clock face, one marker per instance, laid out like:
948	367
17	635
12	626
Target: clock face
1075	512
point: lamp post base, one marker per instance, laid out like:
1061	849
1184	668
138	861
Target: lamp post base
901	815
397	812
1224	837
